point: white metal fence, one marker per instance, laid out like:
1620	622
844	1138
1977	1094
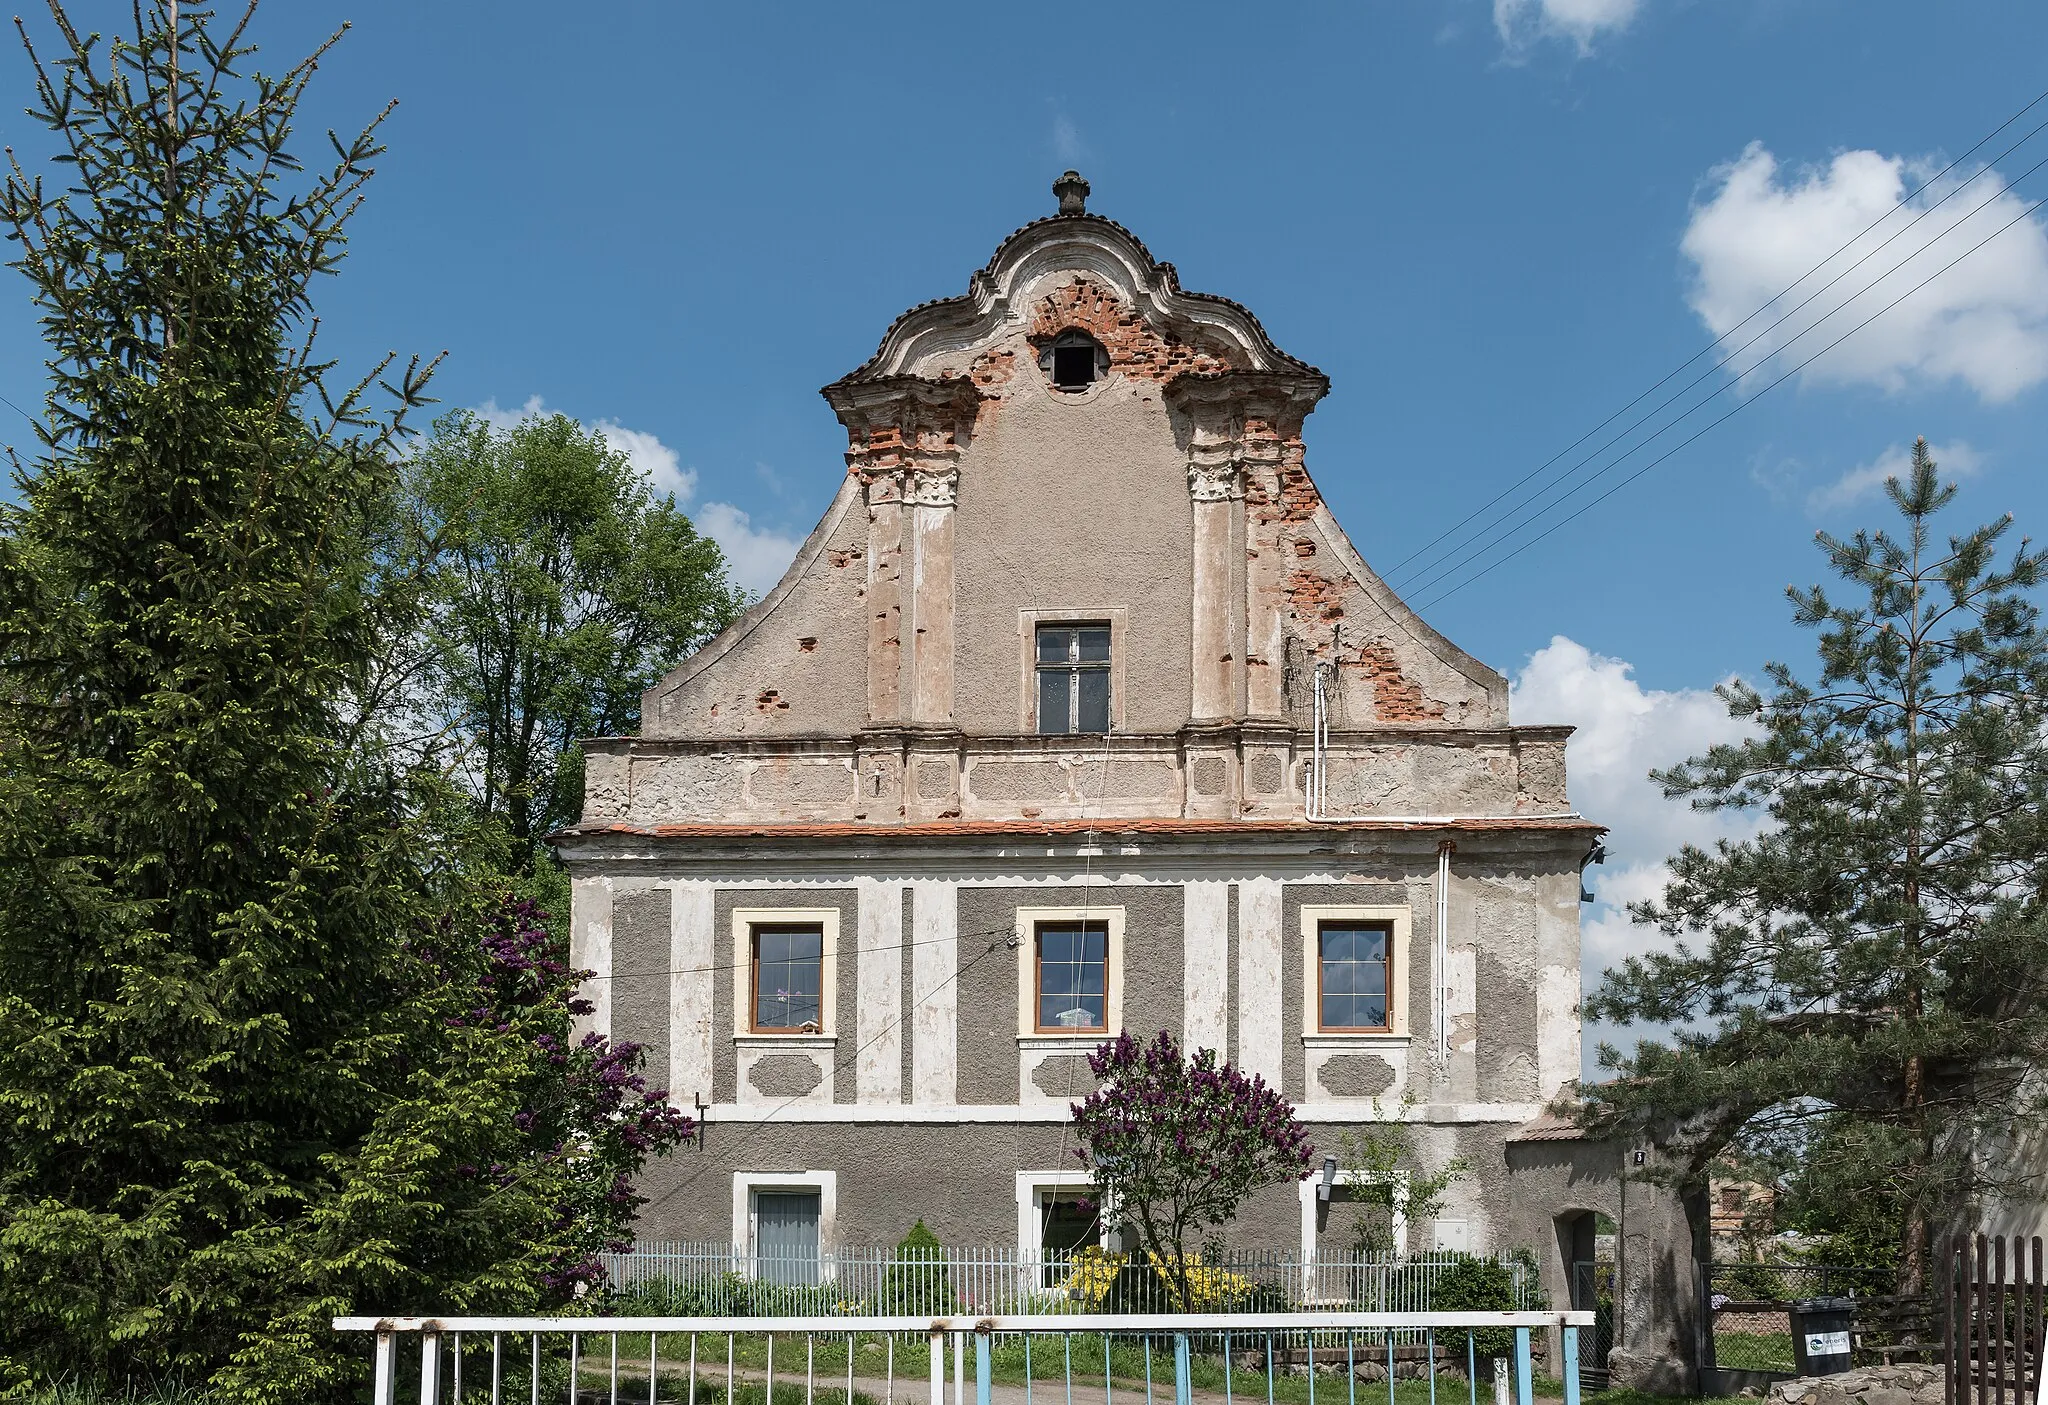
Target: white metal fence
1040	1361
733	1280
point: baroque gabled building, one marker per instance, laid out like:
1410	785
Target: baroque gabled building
1079	712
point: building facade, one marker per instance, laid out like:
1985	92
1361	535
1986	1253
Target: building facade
1078	712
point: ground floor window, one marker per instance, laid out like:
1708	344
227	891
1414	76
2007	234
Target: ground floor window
782	1225
786	1236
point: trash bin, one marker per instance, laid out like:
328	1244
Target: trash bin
1820	1335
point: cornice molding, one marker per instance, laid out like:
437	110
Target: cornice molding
1078	243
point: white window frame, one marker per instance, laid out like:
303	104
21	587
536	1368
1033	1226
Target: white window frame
1028	622
1028	919
1310	1201
1031	1190
746	1219
1399	920
744	920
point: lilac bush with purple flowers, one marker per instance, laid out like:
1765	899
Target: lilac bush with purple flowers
1175	1144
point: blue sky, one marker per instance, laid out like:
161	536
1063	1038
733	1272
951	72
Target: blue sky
1492	222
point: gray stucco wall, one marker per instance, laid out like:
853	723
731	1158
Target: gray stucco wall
1074	503
724	1059
1152	975
1384	889
640	961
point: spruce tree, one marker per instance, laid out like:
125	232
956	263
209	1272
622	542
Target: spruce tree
271	1046
1865	977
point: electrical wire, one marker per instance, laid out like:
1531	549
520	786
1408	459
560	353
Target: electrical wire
1436	566
1508	525
839	1066
1677	370
1737	409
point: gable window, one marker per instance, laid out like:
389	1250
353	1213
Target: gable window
1074	361
1353	990
1072	989
1073	678
789	978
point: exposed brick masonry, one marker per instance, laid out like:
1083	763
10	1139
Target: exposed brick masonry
1394	698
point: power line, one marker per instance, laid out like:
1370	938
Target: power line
1737	409
1677	370
839	1066
1508	524
1440	558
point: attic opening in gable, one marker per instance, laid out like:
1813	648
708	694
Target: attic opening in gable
1073	360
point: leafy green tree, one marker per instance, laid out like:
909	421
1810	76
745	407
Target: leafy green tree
1874	959
1176	1143
568	588
271	1045
1380	1190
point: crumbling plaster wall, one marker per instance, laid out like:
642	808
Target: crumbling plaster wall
1072	502
796	663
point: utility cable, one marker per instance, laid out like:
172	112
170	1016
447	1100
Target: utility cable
1507	525
1732	412
1677	370
839	1066
1438	559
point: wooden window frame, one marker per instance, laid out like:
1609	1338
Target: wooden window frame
1073	668
1386	926
1398	919
754	931
746	969
1029	1033
1038	930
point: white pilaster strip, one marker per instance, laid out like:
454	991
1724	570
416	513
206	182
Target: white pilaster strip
590	949
934	994
878	991
1205	979
1259	956
692	950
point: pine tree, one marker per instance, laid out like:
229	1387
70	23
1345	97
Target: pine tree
271	1047
1876	956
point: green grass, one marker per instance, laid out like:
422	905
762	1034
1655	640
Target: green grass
1753	1351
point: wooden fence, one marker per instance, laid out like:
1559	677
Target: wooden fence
1993	1321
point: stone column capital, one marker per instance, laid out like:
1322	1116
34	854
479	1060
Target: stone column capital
1215	477
931	485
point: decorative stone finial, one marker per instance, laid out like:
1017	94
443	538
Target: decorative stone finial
1073	193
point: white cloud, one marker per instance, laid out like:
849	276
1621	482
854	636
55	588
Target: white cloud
1522	23
757	557
644	451
1623	731
1957	460
1983	323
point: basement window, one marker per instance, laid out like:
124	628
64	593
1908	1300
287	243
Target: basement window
1074	361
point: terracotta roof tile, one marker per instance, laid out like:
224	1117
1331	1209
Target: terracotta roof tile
932	829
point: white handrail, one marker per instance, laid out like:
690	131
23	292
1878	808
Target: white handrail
1136	1322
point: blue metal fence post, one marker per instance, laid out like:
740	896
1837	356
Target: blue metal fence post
1571	1366
1524	1394
1183	1379
981	1365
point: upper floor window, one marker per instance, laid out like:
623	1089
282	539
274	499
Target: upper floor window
1073	678
1074	360
1073	977
1353	990
789	979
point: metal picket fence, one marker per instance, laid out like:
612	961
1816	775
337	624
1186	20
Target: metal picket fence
1277	1357
736	1280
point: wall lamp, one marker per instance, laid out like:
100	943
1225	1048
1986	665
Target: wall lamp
1329	1178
